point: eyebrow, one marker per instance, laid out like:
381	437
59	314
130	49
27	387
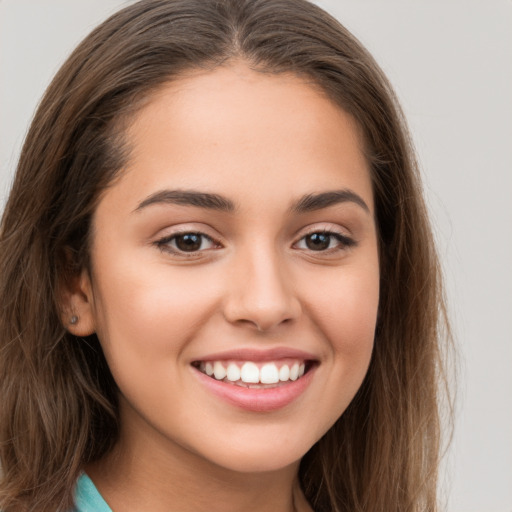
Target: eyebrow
312	202
209	201
189	198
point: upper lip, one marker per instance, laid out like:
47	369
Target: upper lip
256	355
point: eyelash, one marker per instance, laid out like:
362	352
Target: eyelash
344	242
164	244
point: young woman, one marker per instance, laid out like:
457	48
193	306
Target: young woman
218	282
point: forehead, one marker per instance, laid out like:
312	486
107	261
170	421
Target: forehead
233	128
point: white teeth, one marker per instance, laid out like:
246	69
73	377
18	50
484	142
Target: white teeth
250	373
294	371
284	373
269	374
218	370
233	372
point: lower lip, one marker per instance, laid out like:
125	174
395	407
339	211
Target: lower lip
258	400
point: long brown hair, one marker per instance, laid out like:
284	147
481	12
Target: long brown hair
58	408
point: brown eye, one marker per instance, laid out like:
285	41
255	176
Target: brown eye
318	241
188	242
325	241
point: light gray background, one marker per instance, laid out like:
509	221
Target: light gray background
451	64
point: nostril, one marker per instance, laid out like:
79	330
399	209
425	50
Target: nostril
262	316
261	290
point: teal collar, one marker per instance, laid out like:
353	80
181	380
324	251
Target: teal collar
87	497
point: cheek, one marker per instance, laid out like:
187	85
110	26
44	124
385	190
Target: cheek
147	316
150	313
357	312
346	315
344	307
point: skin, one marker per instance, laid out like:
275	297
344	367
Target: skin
262	141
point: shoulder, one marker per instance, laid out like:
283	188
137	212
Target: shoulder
87	497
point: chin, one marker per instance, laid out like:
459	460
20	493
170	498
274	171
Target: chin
260	455
259	462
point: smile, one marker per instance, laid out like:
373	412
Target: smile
257	381
252	374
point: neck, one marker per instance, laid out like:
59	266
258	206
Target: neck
139	475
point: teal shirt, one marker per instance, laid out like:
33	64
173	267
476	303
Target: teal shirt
87	497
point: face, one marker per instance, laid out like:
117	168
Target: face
234	281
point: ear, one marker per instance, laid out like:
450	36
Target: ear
77	304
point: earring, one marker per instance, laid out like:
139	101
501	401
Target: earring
73	320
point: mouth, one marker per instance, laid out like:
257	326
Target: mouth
257	381
255	374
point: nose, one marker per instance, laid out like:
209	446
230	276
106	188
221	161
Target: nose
261	292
